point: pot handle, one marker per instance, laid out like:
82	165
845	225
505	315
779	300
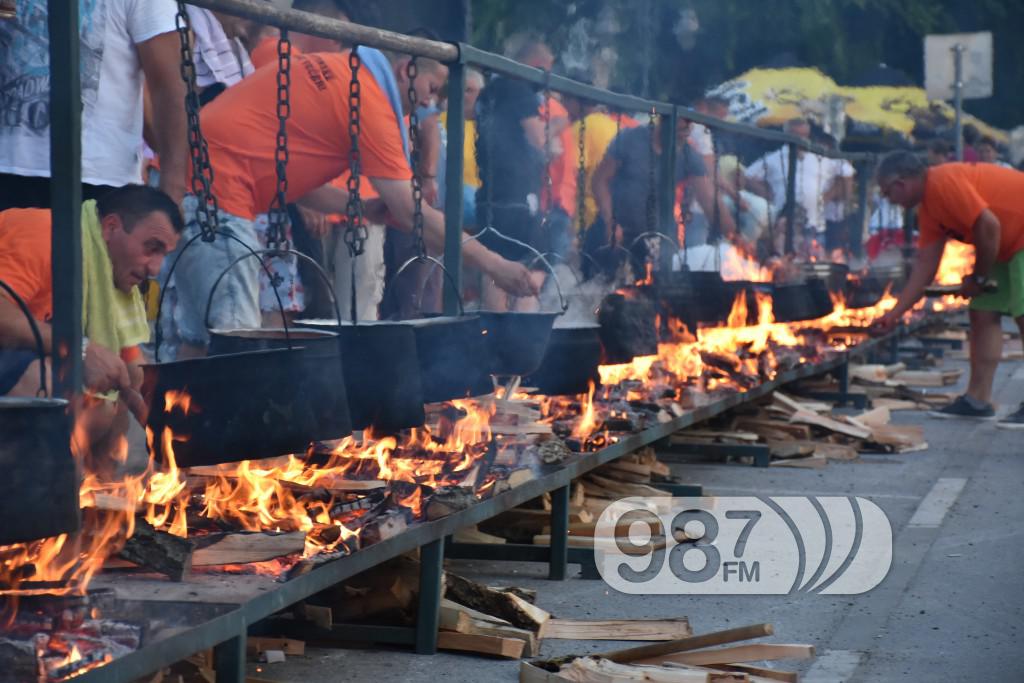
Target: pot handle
158	334
424	258
537	257
654	233
40	351
276	252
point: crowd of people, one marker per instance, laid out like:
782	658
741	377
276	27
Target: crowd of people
543	173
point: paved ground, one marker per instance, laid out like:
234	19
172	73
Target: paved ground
950	609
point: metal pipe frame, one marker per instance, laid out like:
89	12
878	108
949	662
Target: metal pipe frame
429	535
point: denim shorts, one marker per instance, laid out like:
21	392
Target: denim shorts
197	267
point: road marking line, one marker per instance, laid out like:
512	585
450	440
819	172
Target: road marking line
833	666
934	506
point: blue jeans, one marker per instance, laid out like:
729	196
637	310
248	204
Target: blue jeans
235	304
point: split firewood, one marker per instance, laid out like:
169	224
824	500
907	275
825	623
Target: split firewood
553	451
390	588
876	417
257	646
762	672
159	551
784	450
618	629
929	378
608	543
462	619
474	535
244	547
733	635
527	594
449	499
623	470
508	648
763	427
386	525
507	606
598	670
761	652
830	424
810	462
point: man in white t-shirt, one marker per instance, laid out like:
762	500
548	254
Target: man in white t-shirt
123	42
815	176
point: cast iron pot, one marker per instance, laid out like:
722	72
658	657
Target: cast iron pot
516	341
868	289
39	487
628	326
835	275
322	402
382	373
794	302
452	350
570	362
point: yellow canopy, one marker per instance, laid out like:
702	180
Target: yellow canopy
770	97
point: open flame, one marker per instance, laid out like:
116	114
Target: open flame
957	262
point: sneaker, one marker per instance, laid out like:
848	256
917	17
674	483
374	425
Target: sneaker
965	408
1014	420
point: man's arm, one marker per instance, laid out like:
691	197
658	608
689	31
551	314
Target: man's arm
705	194
987	233
160	56
15	331
430	155
925	266
512	277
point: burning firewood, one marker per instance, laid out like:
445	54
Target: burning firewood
159	551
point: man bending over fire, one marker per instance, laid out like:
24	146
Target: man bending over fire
125	236
983	205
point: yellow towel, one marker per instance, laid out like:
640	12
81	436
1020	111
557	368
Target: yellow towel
110	317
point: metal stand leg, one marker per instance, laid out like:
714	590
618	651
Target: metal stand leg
558	563
229	659
428	613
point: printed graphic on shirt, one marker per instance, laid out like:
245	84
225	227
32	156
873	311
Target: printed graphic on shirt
25	69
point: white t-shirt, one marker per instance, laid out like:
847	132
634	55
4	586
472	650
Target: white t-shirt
111	87
700	138
814	175
835	210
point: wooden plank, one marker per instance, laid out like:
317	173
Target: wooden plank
732	635
507	606
762	672
784	450
531	673
712	434
461	619
289	646
830	425
606	543
895	404
474	535
929	378
737	654
244	547
619	629
756	425
507	648
876	417
597	670
814	462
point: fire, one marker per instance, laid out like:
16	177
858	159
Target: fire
957	262
736	266
587	424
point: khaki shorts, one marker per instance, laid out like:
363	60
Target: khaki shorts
1008	299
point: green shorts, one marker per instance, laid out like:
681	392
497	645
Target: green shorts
1008	299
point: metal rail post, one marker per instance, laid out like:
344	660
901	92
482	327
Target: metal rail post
453	185
66	196
667	188
229	658
791	197
559	561
428	611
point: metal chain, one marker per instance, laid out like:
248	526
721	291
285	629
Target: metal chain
199	154
414	158
277	217
549	187
355	231
581	175
651	178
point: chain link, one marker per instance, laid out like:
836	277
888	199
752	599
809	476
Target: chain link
652	178
414	158
277	217
199	154
581	174
355	231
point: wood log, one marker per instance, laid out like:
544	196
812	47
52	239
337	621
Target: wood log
738	654
243	547
449	499
619	629
159	551
462	619
384	526
732	635
527	594
831	425
507	606
508	648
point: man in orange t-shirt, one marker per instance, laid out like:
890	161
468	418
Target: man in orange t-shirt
240	127
979	204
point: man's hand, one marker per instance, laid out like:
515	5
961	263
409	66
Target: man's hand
885	324
513	278
429	187
104	370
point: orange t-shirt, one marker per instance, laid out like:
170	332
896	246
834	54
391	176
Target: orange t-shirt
26	263
955	195
241	128
563	168
265	52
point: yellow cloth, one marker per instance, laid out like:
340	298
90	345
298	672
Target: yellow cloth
470	171
110	317
601	130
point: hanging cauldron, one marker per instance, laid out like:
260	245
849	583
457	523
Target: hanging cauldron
866	290
453	355
835	275
628	326
808	300
39	489
571	361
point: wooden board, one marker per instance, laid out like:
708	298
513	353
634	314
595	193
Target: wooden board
461	619
289	646
763	427
737	654
929	378
507	648
242	548
830	425
815	462
618	629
